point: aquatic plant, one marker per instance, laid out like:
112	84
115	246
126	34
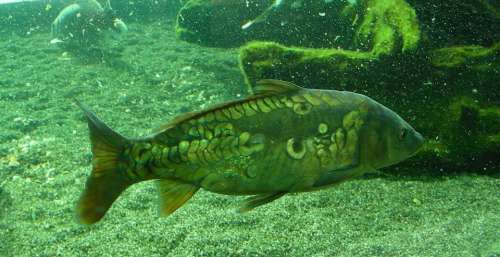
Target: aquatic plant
387	23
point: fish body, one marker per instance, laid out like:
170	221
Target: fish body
282	139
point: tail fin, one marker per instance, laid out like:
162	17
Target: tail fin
107	180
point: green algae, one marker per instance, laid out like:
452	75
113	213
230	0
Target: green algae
260	60
472	56
384	22
384	25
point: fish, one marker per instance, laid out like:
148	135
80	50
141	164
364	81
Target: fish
281	139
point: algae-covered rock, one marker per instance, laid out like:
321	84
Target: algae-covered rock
216	23
471	57
272	60
372	25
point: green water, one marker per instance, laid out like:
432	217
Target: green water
148	77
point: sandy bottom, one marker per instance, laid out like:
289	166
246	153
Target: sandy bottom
45	157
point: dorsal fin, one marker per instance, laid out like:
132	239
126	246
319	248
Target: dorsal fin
263	88
181	118
190	115
274	86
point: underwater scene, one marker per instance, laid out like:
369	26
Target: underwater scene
250	128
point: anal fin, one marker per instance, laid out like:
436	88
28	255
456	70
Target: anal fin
255	201
173	194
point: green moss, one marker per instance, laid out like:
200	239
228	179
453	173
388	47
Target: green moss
385	24
383	20
271	60
471	56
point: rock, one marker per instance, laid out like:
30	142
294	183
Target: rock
260	60
310	24
467	57
216	23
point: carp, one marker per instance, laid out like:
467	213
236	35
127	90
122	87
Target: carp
281	139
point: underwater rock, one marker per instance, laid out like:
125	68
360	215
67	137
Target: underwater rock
371	25
216	23
222	23
457	23
272	60
383	27
471	57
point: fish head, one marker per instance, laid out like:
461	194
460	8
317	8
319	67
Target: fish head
388	139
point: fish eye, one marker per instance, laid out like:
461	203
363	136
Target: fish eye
403	133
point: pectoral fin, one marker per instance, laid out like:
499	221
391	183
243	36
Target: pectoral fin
336	176
173	194
255	201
